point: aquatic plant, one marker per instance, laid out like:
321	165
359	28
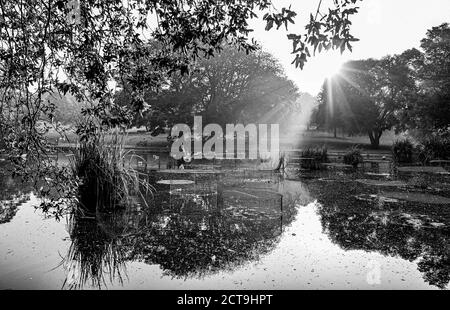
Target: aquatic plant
106	181
353	156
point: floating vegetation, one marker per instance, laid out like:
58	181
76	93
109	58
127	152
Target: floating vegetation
418	197
377	198
424	169
382	183
175	182
374	174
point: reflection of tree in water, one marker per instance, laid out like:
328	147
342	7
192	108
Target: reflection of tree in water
388	228
193	246
8	207
12	194
188	235
198	235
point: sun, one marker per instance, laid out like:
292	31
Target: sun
321	67
331	64
328	64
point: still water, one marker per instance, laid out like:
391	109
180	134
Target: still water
237	230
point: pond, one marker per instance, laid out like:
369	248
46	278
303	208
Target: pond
238	229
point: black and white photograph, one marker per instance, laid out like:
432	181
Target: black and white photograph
224	150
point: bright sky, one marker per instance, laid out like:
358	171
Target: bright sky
383	26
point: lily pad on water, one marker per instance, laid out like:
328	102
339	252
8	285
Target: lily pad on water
382	183
371	198
378	174
175	182
418	197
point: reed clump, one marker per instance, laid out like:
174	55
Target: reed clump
107	182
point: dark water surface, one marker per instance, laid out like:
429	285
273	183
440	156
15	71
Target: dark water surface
239	230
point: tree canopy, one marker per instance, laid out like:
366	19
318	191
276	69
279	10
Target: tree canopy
367	96
228	88
406	91
430	111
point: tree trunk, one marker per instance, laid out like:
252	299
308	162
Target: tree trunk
374	137
335	132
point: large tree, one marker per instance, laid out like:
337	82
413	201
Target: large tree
367	96
231	87
430	111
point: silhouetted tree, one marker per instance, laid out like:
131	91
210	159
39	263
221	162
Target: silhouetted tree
367	96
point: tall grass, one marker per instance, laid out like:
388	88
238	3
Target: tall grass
107	182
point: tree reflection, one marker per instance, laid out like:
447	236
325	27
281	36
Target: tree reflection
12	194
186	234
194	245
388	228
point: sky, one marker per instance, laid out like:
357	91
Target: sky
384	27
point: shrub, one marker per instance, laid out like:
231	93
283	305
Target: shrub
402	151
353	157
319	154
106	181
434	147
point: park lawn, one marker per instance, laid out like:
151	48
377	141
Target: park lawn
132	138
321	138
299	140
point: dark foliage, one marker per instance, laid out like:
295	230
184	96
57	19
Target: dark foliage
402	151
353	157
314	156
434	147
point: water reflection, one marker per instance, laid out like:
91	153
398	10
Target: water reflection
96	256
414	231
190	230
12	194
226	228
